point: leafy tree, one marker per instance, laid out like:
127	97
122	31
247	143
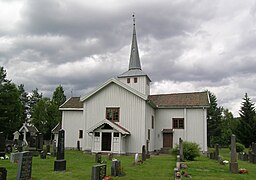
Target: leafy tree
10	105
214	115
246	130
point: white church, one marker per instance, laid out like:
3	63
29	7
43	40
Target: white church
120	115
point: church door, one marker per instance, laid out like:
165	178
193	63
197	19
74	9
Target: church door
167	140
106	141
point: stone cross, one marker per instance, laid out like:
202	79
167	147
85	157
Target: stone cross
60	163
233	166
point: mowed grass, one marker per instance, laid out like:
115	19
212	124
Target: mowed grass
79	166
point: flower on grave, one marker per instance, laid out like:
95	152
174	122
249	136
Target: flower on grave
107	178
243	170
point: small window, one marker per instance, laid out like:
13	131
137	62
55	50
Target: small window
148	134
178	123
152	122
80	134
116	134
112	114
135	80
97	134
128	80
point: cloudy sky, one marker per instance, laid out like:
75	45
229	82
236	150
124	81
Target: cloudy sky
185	45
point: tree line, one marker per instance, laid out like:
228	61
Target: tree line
221	124
18	106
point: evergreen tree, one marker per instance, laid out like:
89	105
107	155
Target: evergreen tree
214	115
58	96
246	130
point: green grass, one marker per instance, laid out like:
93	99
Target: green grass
79	166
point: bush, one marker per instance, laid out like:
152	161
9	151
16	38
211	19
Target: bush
190	150
239	147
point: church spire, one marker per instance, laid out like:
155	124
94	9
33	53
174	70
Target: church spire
134	56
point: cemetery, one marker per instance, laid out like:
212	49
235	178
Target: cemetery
76	164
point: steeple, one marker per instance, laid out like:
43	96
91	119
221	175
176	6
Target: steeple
134	56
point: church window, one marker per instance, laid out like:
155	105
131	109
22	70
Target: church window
80	134
148	134
152	122
97	134
128	80
135	80
112	114
116	134
178	123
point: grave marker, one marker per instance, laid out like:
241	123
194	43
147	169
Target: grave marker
143	153
60	163
2	144
233	166
25	166
98	157
99	171
3	173
116	168
181	149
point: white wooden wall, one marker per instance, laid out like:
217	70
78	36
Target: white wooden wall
72	122
132	113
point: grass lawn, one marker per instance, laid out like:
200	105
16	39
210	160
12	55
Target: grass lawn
79	166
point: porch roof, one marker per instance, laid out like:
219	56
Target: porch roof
115	126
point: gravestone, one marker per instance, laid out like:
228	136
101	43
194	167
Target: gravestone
216	152
116	168
24	166
48	149
3	173
99	171
43	154
40	141
78	145
60	163
233	165
54	148
2	144
143	153
147	151
98	157
110	156
181	150
136	158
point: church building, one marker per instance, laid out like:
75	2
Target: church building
120	115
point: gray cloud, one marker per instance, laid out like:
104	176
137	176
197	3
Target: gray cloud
184	45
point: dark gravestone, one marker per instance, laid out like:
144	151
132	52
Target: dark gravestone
40	141
98	157
2	144
116	168
25	166
143	153
99	171
54	148
60	163
216	152
181	149
233	166
32	142
43	154
3	173
147	151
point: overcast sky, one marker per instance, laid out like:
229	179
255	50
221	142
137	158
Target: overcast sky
185	45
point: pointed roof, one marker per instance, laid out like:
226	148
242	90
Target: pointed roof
134	63
134	56
115	126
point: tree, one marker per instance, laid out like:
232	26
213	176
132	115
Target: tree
214	115
10	105
246	130
58	98
33	99
24	103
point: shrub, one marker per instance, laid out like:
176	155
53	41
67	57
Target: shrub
239	147
190	150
